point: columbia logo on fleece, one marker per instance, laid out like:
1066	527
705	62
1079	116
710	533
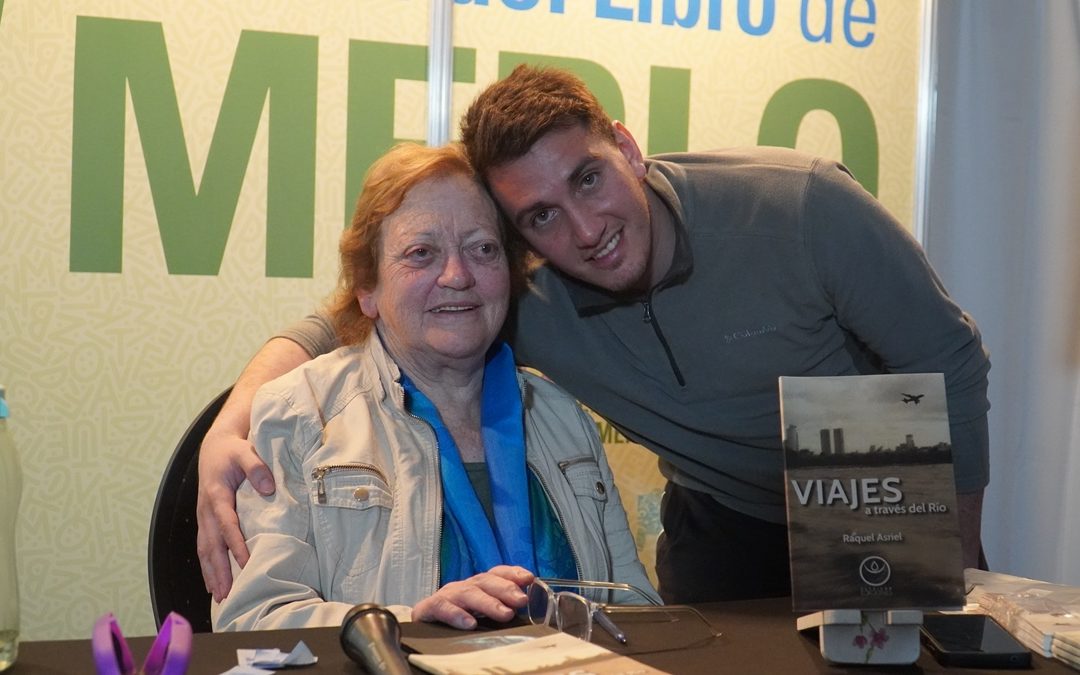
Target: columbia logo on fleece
730	338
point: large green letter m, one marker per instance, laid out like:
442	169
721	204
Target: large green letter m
114	55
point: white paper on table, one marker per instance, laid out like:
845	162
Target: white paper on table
550	653
275	658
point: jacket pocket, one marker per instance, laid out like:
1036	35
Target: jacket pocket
352	505
583	474
591	495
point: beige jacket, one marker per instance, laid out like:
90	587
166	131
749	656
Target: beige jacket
357	513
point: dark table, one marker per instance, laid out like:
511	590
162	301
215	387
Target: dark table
757	636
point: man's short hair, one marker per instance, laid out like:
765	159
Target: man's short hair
508	117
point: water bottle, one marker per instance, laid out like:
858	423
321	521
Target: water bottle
10	492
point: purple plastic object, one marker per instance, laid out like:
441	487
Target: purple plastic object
111	653
168	655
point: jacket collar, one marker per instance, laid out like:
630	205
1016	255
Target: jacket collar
389	374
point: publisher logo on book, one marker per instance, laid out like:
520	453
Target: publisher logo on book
875	572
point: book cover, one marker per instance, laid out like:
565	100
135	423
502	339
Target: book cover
871	501
524	649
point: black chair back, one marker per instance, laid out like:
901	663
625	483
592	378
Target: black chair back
176	583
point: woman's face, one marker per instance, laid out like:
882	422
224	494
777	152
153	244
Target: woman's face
443	283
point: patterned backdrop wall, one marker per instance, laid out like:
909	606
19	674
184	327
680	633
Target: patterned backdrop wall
174	176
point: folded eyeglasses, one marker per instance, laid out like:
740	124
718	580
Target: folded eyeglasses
573	613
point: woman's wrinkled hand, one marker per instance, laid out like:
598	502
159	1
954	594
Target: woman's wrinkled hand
496	594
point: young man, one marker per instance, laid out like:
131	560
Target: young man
676	290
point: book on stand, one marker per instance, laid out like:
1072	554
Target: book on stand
871	499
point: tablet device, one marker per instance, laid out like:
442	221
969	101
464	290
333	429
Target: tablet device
972	640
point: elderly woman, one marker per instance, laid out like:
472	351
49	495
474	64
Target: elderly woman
416	466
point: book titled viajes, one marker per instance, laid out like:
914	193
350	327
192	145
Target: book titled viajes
871	502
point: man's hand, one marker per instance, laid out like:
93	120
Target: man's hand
225	460
496	594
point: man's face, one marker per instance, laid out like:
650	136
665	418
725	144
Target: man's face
580	203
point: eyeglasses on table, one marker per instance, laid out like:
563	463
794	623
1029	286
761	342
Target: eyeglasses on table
575	614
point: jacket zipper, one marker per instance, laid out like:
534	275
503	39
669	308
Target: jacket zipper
565	464
318	474
436	556
649	318
558	514
562	464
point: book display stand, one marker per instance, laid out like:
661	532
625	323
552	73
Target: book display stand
859	636
872	511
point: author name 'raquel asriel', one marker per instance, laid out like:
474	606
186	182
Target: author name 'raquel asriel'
872	538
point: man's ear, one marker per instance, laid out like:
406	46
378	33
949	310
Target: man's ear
368	304
626	144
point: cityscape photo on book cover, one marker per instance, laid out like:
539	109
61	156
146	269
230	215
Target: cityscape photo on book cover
871	502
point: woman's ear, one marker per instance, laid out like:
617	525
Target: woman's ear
368	304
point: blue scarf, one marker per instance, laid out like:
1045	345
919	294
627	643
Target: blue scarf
470	544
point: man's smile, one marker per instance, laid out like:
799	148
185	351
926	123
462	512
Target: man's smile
608	248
